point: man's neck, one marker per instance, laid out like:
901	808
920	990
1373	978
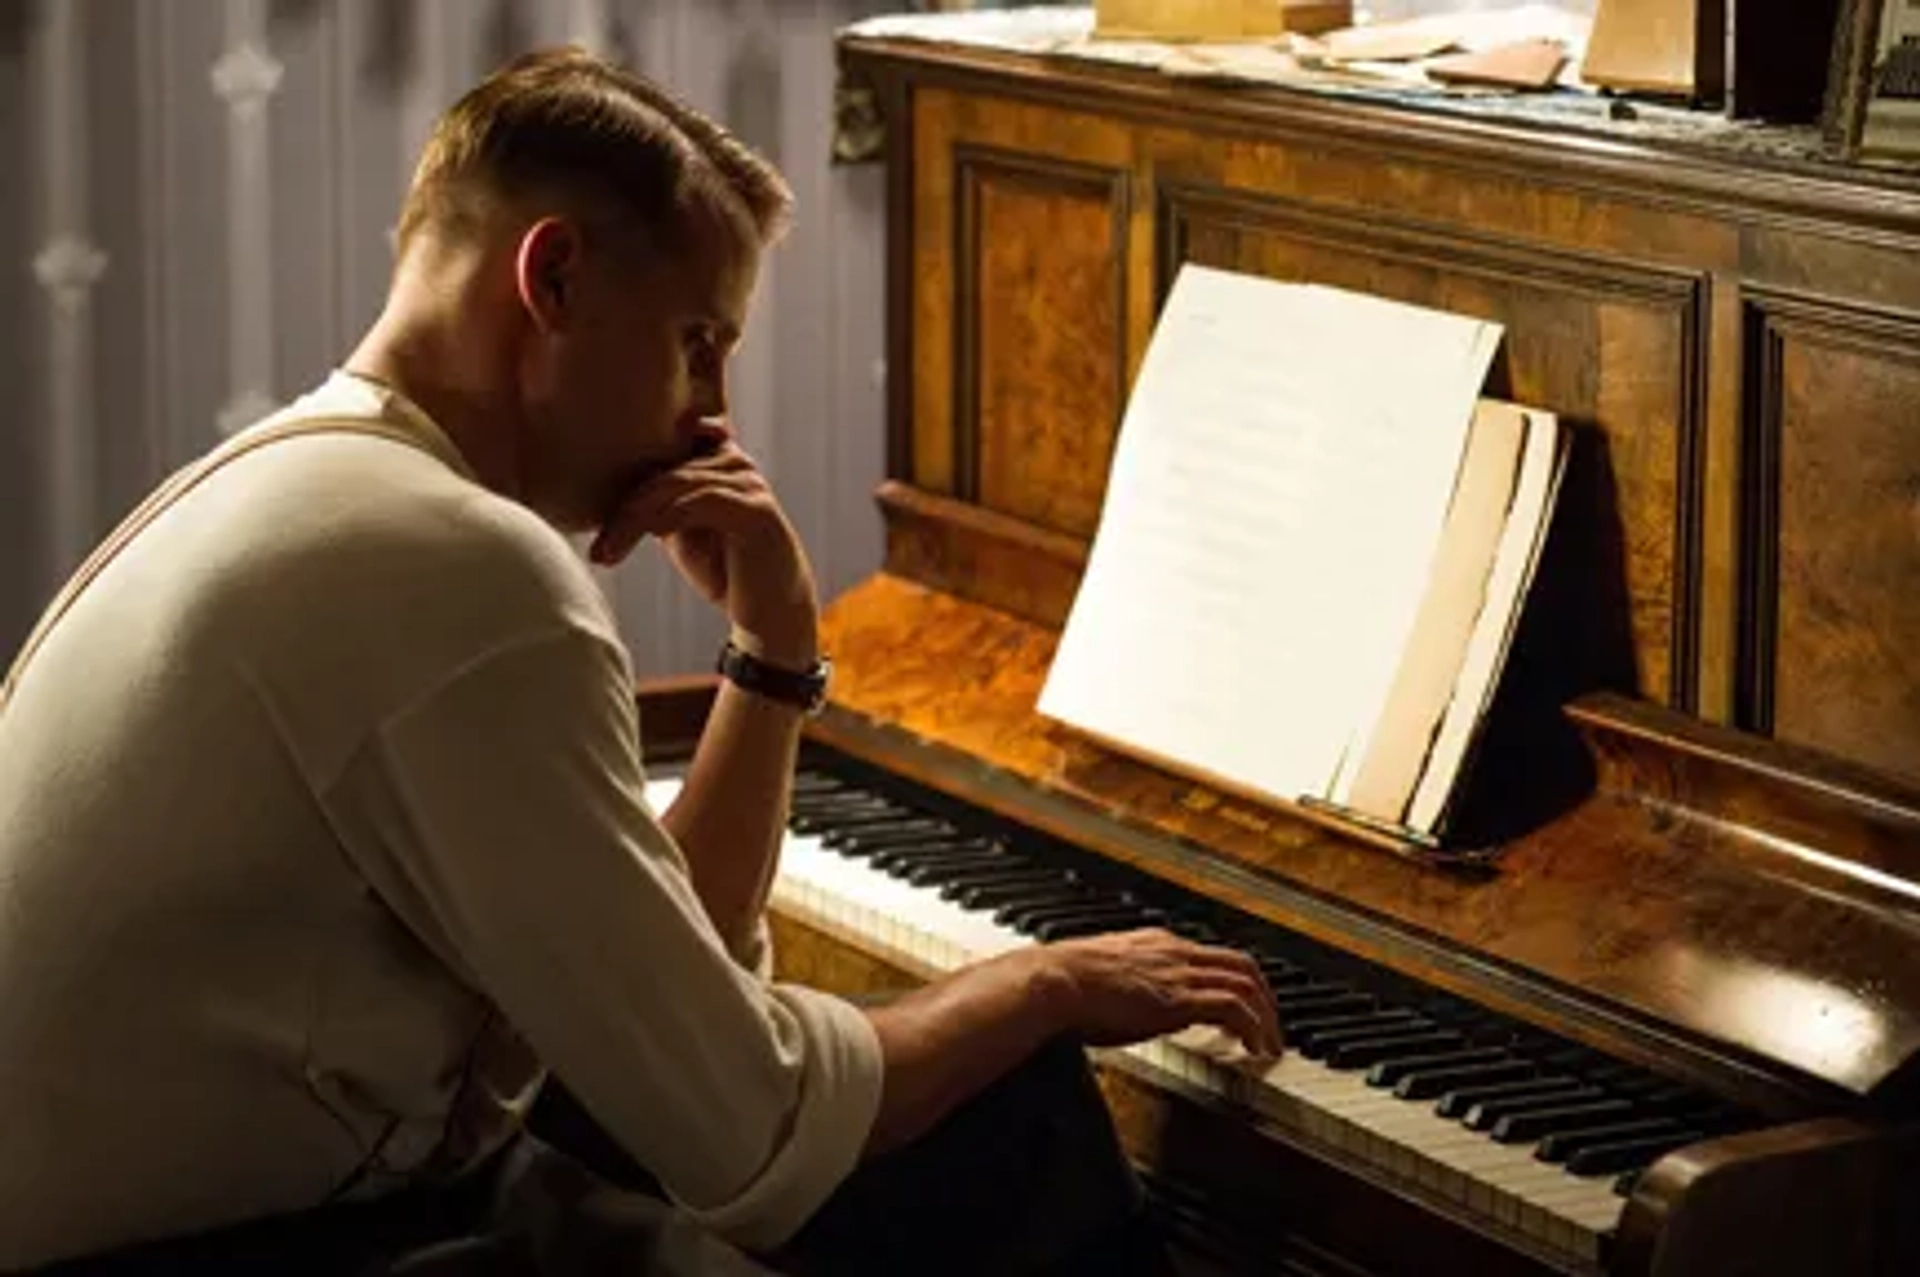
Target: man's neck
414	352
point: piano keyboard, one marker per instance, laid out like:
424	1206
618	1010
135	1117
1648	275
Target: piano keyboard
1533	1135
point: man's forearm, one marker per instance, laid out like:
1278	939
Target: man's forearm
946	1041
732	808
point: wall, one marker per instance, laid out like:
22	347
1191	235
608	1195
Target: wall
198	229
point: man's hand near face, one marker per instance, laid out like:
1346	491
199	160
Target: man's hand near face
723	528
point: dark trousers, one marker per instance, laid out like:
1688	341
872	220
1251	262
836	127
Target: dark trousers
1027	1177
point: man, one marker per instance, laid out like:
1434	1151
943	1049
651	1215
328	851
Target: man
322	829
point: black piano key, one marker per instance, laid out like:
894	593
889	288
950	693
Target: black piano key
846	798
1465	1057
866	841
1194	929
941	873
1279	978
1011	903
1307	1033
1457	1014
947	873
991	896
975	852
1450	1071
1561	1145
1030	920
1460	1101
886	855
1039	906
967	871
1321	999
1366	1052
1523	1128
876	835
816	784
900	863
1628	1155
1623	1184
1043	906
1072	898
1318	1036
1089	924
823	822
809	818
1487	1114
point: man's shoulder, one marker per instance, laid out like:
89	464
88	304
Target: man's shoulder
340	508
360	550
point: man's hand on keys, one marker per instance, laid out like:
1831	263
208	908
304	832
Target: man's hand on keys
1128	986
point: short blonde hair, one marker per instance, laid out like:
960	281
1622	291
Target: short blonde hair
564	125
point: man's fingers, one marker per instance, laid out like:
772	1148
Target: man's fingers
661	505
1217	968
1227	1010
1252	992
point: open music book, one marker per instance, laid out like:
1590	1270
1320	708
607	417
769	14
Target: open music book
1313	550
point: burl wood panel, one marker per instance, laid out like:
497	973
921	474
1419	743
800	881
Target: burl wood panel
1684	922
1837	445
1613	349
1041	297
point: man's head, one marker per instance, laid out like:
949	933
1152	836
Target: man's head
612	235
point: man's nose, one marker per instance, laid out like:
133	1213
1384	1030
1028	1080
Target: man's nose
710	395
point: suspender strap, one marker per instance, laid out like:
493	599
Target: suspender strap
176	486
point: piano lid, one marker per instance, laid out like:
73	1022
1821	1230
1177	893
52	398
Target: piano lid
1727	890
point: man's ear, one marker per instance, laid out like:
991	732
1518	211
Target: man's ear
545	271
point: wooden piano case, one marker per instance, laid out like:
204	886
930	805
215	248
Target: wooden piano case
1701	776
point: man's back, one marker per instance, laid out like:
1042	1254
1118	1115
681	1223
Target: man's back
206	1010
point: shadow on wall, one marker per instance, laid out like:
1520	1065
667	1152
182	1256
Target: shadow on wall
16	20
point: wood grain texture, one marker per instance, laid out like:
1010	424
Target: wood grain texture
1835	532
1705	928
975	553
1040	295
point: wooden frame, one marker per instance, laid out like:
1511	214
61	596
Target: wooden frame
1866	116
1850	74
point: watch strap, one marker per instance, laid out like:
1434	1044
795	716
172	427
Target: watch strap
805	690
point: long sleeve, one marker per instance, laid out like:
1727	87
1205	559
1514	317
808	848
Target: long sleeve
503	816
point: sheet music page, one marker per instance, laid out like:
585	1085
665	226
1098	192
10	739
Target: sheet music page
1273	508
1519	552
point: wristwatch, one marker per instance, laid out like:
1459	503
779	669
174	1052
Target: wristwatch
806	690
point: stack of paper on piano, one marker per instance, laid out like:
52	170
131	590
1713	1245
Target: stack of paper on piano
1313	550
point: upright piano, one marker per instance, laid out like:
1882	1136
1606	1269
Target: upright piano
1668	1023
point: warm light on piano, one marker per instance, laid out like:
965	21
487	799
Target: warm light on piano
1824	1028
